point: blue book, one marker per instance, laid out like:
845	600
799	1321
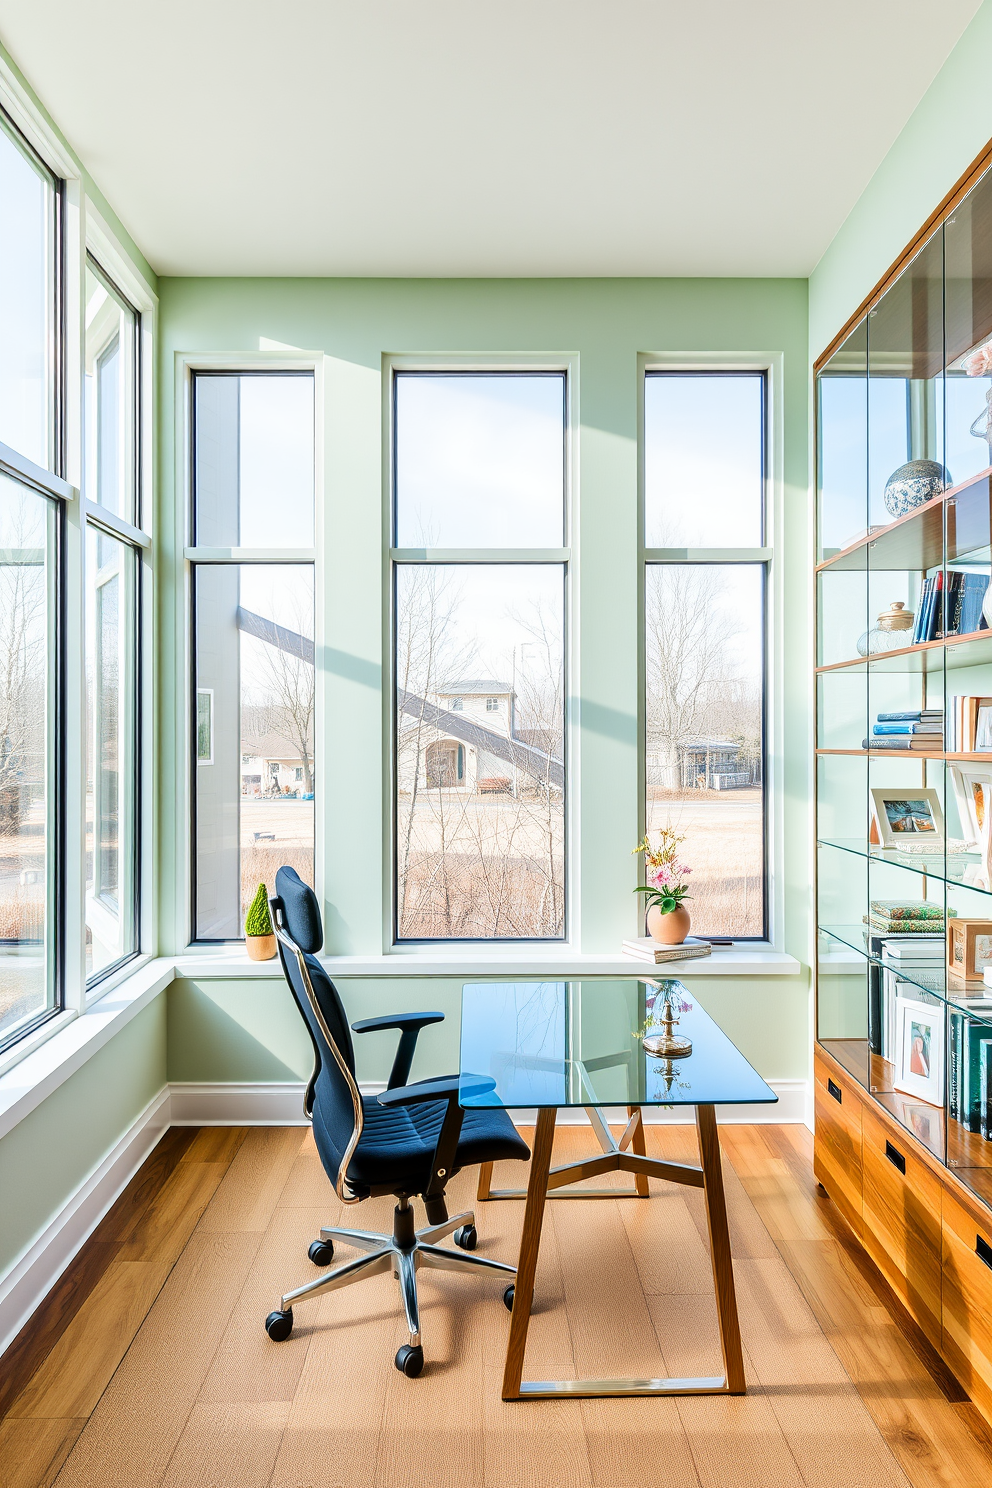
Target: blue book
972	598
976	1036
908	728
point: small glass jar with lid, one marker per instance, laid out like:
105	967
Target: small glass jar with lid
893	630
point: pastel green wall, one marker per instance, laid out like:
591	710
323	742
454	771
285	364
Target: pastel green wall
604	324
950	126
46	1157
250	1030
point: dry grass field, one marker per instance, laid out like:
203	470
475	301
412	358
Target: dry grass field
723	846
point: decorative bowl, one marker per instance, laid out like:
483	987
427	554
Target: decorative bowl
914	483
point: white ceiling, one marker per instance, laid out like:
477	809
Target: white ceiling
467	137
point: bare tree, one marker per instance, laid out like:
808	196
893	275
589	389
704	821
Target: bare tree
287	685
23	666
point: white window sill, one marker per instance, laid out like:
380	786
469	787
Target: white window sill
740	960
26	1084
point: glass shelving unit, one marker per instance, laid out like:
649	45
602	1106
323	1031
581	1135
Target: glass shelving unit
912	381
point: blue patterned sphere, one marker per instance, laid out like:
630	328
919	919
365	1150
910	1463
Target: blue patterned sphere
914	483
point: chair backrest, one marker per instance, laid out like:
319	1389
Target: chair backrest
332	1101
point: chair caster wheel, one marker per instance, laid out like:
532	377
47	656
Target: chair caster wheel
466	1237
508	1297
410	1360
279	1325
321	1252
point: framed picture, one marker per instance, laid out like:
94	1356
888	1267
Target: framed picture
973	795
926	1125
920	1051
903	816
205	726
969	948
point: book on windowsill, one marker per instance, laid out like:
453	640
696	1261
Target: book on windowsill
646	949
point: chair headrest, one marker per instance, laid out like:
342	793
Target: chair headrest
300	910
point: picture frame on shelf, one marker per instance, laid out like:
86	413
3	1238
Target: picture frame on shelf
969	949
919	1066
910	818
972	786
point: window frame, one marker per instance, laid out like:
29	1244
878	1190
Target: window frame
770	369
187	368
395	557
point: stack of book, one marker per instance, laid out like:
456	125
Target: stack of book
969	1070
910	964
922	729
969	724
959	613
646	949
905	916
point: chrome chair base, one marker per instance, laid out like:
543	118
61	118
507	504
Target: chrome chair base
386	1253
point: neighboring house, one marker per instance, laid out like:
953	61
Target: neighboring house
271	766
715	764
459	760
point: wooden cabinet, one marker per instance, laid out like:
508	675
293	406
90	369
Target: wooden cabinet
929	1237
901	1204
837	1151
967	1297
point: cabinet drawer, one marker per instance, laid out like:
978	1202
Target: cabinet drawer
967	1298
902	1208
837	1148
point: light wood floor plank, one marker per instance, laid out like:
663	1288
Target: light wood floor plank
79	1367
33	1449
142	1414
254	1181
232	1443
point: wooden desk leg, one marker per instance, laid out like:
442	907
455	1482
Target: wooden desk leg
485	1182
637	1146
723	1266
530	1240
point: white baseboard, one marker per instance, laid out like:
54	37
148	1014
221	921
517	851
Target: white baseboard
249	1103
41	1265
256	1103
263	1104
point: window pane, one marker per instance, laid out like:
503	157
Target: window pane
704	653
26	303
253	736
110	465
27	797
480	779
254	441
480	460
111	757
703	460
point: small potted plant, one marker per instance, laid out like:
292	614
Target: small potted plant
259	937
667	917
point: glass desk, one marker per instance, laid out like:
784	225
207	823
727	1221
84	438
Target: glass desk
592	1044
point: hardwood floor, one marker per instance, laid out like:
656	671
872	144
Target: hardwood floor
212	1255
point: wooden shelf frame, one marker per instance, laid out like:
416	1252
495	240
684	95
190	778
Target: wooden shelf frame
913	528
923	649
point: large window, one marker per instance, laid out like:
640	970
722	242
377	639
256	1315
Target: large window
31	630
252	743
479	569
704	618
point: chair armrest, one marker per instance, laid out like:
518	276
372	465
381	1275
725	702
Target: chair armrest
409	1025
414	1021
445	1088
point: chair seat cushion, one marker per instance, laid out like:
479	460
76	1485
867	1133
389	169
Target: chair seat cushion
397	1144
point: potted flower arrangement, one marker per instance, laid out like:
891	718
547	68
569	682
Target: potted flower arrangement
259	936
667	917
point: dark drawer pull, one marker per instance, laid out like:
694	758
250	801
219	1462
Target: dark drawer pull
983	1250
835	1091
895	1157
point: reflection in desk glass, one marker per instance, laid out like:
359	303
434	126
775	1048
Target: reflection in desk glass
579	1044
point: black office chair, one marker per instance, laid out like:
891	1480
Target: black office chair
409	1141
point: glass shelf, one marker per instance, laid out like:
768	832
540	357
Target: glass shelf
974	649
960	868
915	542
975	998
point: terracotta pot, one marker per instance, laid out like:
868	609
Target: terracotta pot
261	947
671	928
